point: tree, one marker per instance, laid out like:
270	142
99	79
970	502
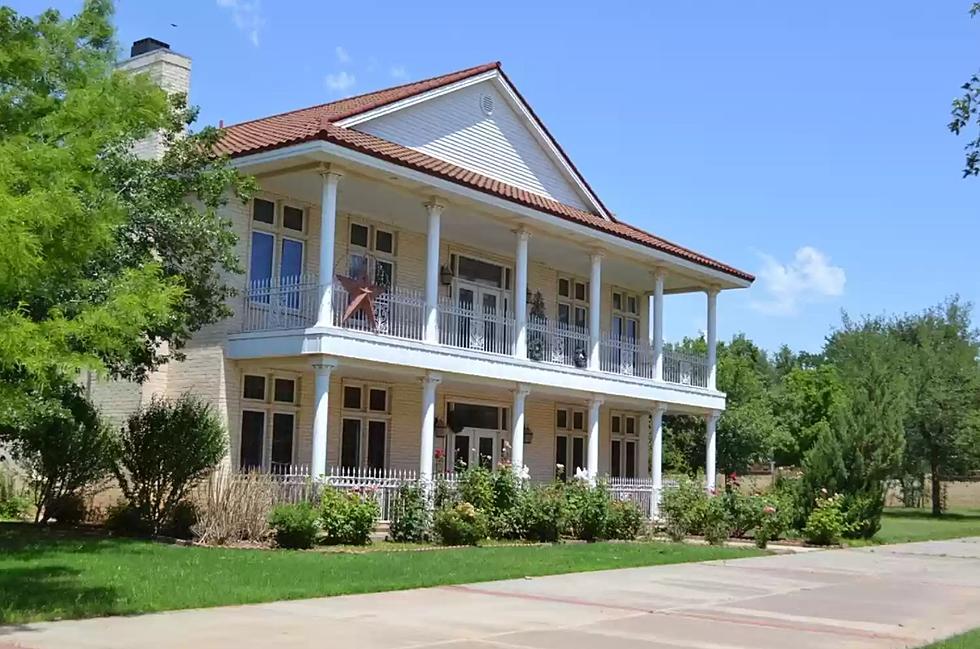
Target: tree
104	258
804	403
166	448
61	442
966	114
942	432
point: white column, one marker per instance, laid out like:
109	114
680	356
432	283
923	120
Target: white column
595	308
657	464
426	447
658	325
517	429
712	338
520	295
434	208
710	468
328	233
321	415
592	455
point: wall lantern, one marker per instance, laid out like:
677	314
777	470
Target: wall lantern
528	435
440	428
445	276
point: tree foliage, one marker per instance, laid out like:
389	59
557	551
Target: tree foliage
104	259
966	115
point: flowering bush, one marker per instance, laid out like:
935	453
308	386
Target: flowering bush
544	512
295	526
624	520
686	509
717	525
826	524
462	524
589	509
410	519
348	517
775	518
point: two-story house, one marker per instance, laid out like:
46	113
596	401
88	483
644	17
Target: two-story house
431	283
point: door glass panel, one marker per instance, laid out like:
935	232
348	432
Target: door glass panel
357	266
486	452
260	264
461	452
253	427
630	459
282	441
291	260
350	443
376	444
578	454
581	316
614	467
564	314
384	271
465	297
561	457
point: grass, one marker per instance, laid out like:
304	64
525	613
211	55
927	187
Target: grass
908	525
48	575
969	640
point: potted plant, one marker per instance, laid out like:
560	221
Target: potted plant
535	339
581	360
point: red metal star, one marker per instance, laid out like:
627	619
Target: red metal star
360	298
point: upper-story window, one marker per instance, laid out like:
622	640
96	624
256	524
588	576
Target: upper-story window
371	253
278	243
625	316
270	405
573	302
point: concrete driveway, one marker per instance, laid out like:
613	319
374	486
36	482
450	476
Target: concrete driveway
891	596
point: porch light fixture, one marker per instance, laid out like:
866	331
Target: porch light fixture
445	276
528	435
440	428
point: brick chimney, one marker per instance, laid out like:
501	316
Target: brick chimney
168	69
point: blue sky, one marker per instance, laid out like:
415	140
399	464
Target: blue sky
804	142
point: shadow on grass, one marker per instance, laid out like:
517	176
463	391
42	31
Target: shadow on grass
27	592
925	514
27	541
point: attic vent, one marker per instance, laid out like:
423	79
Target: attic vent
486	104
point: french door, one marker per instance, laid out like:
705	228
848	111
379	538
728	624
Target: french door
475	447
625	331
480	323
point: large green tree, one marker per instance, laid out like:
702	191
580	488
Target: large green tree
966	116
105	256
943	373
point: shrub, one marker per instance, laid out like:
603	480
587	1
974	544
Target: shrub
744	511
625	520
123	518
348	517
183	519
589	510
295	526
504	515
62	443
234	507
686	509
826	523
461	524
166	448
476	488
410	518
717	525
544	512
14	501
67	509
862	514
775	518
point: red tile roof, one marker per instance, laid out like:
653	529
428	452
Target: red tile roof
318	123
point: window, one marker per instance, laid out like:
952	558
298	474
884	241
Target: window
573	303
569	441
625	316
268	422
479	271
364	427
278	242
474	415
371	253
623	445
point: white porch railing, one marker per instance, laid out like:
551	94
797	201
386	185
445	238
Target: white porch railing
281	303
398	312
622	356
476	327
685	368
553	342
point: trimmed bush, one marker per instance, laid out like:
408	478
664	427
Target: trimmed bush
826	524
411	521
544	512
295	526
589	509
462	524
625	520
348	517
167	447
67	509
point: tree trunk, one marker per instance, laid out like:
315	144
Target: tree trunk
937	490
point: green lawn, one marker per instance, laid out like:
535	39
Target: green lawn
970	640
906	525
47	575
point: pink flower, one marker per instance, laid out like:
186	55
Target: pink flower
440	454
769	509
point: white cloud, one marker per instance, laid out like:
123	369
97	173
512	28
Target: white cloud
342	55
398	72
340	82
809	277
247	16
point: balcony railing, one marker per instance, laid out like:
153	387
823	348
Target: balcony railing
293	303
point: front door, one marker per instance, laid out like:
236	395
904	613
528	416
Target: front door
475	447
479	325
